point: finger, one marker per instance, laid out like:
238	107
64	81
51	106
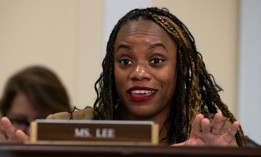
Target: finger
8	128
5	122
2	130
196	125
179	144
21	136
230	134
2	134
205	125
217	124
3	137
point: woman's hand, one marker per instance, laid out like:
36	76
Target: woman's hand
206	133
8	133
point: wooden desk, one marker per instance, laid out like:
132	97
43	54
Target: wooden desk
16	150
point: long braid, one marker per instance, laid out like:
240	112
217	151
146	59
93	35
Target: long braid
196	91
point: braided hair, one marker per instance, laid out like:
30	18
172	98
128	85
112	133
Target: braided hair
196	90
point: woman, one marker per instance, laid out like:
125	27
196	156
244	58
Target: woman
33	93
152	71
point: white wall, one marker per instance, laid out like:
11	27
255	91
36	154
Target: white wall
250	73
64	35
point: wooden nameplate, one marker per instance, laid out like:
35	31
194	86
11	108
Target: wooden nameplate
94	132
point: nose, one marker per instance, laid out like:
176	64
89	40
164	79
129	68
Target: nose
140	72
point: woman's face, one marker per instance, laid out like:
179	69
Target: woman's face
144	70
22	112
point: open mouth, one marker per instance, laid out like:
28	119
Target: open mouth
142	92
141	95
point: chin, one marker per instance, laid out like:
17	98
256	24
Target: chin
142	114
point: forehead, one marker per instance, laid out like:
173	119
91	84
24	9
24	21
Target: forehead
21	105
142	27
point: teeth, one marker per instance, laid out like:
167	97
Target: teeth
141	92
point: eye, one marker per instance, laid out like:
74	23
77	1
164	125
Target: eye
125	61
156	61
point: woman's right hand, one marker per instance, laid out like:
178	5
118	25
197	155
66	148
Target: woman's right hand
8	133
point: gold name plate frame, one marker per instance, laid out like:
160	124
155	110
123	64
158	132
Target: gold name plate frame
94	132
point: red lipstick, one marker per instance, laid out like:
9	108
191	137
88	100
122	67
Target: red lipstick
141	94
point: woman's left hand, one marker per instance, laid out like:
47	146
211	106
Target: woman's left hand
206	133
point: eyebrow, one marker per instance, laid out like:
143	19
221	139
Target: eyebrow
125	46
158	44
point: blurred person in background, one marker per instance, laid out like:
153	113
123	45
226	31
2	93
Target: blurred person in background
32	93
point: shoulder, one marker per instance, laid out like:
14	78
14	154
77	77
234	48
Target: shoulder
84	114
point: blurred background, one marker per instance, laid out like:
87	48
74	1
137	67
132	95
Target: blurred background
69	37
